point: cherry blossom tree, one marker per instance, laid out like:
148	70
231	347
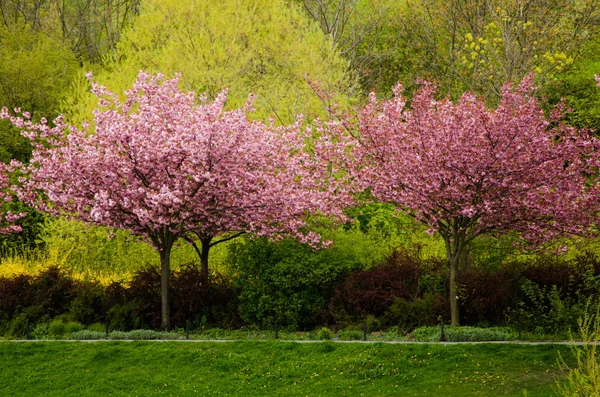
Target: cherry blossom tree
166	168
465	170
7	217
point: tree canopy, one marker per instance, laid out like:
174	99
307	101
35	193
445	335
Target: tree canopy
465	170
265	47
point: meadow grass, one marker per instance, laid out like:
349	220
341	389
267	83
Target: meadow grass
276	369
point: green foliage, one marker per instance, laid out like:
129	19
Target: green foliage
583	379
27	240
35	71
88	335
101	251
142	334
420	312
60	329
350	335
324	334
263	47
463	334
286	282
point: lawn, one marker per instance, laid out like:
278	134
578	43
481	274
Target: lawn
276	369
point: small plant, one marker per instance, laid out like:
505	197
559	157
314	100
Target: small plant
40	331
324	334
584	378
143	334
88	335
350	335
58	328
96	327
463	334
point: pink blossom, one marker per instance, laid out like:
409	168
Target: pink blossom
166	168
465	170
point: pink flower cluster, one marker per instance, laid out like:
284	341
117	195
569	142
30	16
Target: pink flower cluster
464	169
160	164
7	218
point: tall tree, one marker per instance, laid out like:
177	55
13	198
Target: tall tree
466	170
35	71
477	45
90	28
166	168
267	47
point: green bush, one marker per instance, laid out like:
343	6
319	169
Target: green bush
88	335
143	334
324	334
286	281
584	378
463	334
350	335
57	328
96	327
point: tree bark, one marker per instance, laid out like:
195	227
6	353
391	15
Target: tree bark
454	313
454	250
204	258
165	266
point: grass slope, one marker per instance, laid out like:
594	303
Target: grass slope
275	369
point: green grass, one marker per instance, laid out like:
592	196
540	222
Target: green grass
276	369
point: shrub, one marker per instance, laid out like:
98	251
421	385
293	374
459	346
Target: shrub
195	300
284	281
88	335
584	378
96	327
424	310
324	334
40	331
372	292
350	335
463	334
58	328
142	334
52	290
485	295
87	306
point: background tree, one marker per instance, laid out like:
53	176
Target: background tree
35	71
264	47
90	28
477	45
365	33
465	170
166	168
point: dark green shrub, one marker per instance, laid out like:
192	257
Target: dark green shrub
422	311
197	301
284	281
87	306
350	335
96	327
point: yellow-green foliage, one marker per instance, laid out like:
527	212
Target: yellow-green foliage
584	378
265	47
35	70
96	252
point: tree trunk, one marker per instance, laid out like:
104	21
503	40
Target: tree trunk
454	314
204	258
454	251
165	266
